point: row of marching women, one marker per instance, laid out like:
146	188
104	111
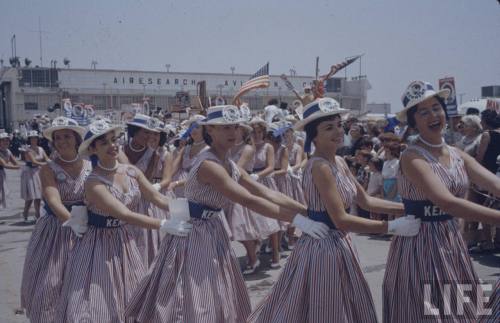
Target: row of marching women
110	247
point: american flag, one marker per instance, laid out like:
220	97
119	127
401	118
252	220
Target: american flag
337	67
259	80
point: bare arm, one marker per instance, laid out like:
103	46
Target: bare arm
166	176
96	193
246	156
5	164
421	175
276	197
298	159
283	162
324	181
217	176
13	160
148	192
31	158
480	175
270	162
51	194
483	145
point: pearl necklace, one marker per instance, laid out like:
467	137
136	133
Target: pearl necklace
199	143
431	145
69	161
111	169
136	150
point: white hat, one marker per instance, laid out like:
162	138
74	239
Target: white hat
143	121
94	130
417	92
222	115
194	118
258	121
60	123
32	133
317	109
4	135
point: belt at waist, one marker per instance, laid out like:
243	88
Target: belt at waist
101	221
30	165
259	169
68	207
425	210
321	216
200	211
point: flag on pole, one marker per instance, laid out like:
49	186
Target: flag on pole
288	84
337	67
259	80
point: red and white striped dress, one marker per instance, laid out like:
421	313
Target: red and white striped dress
48	250
435	257
105	265
195	278
31	185
186	165
322	280
283	181
298	193
5	155
243	225
269	226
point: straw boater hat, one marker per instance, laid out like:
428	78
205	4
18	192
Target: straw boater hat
4	135
143	121
194	118
418	92
32	133
60	123
317	109
258	121
222	115
246	116
94	130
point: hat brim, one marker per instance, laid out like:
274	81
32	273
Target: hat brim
300	125
218	123
47	133
83	150
143	126
401	115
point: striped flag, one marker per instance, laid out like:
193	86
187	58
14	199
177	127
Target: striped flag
259	80
337	67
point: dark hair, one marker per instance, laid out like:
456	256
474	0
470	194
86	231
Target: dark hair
394	149
378	163
206	136
131	131
78	139
271	137
472	111
272	102
93	158
410	114
490	118
163	138
365	141
283	105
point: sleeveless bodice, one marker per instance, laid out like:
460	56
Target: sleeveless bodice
70	189
261	155
235	155
292	154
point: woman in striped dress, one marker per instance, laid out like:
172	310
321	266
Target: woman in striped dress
105	265
187	155
422	271
31	187
7	161
48	249
322	280
245	227
197	279
263	167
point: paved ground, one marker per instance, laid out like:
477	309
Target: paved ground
14	236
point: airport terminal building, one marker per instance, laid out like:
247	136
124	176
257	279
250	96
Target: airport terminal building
27	91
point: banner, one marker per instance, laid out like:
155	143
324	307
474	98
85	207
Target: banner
451	102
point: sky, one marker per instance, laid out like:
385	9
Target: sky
402	40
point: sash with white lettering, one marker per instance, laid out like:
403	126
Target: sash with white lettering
425	210
101	221
200	211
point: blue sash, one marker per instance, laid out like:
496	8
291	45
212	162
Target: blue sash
425	210
68	207
200	211
256	170
101	221
30	164
321	216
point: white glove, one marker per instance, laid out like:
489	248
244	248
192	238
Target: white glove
290	170
255	177
406	226
157	186
313	228
176	227
78	222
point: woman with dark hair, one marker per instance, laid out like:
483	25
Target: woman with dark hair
187	155
423	273
7	161
322	280
62	188
105	265
31	186
197	279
